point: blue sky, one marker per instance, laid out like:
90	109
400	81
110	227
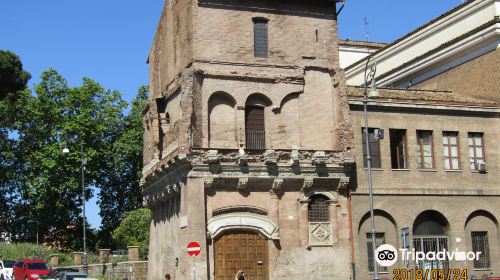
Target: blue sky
109	40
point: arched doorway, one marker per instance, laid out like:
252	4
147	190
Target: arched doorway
430	234
241	250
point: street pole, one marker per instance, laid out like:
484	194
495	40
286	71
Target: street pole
85	263
369	166
83	162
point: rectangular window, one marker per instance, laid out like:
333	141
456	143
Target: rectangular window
480	244
450	150
425	151
379	240
260	37
398	148
374	148
476	149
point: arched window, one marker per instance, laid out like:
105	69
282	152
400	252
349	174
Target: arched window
318	209
320	227
255	132
430	230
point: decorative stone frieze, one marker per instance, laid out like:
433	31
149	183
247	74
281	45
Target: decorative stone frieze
277	184
270	157
300	157
242	159
242	183
344	183
308	182
164	185
301	169
320	158
209	181
213	156
294	157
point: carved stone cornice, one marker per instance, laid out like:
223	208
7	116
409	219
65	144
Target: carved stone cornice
242	183
262	171
276	170
308	182
299	157
165	183
277	184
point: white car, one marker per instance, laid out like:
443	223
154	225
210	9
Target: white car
6	270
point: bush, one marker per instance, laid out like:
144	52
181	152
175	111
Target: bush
16	251
134	230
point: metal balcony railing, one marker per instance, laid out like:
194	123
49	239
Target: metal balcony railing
255	139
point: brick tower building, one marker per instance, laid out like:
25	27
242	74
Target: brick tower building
246	143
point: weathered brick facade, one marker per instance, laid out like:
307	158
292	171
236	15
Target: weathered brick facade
203	180
256	157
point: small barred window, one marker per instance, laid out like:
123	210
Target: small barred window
318	209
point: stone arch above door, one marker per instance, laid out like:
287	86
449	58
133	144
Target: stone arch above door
242	221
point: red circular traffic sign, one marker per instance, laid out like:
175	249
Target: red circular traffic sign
193	249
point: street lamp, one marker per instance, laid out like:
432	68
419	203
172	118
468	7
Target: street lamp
84	162
373	93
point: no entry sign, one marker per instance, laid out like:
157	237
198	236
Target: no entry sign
193	249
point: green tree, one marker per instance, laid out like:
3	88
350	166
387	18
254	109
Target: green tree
49	195
134	230
13	92
119	180
12	76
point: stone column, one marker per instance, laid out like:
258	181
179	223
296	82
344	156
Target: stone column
54	260
133	253
104	255
77	258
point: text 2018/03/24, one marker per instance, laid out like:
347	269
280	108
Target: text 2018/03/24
429	274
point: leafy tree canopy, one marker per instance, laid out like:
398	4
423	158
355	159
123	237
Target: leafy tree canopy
12	76
40	187
119	180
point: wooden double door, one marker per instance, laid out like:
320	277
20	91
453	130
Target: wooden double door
245	251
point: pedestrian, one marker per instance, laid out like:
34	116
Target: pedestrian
167	276
240	276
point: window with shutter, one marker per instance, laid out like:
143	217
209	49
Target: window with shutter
425	159
260	37
255	128
374	148
398	148
450	150
476	149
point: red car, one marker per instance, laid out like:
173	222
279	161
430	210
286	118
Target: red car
30	269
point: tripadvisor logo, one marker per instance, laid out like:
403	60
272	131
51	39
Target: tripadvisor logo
387	255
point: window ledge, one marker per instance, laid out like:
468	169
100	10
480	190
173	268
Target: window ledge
453	170
427	170
402	169
482	269
479	172
373	169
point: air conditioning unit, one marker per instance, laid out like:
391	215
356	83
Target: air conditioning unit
482	167
379	133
